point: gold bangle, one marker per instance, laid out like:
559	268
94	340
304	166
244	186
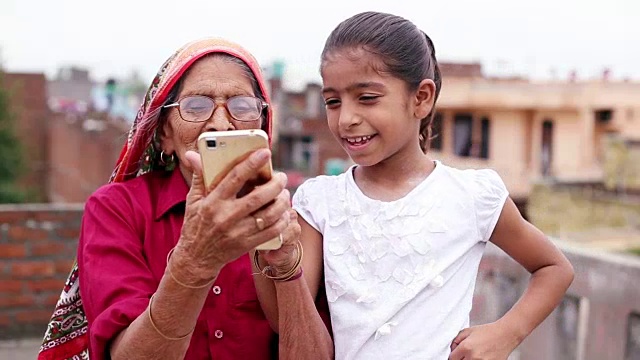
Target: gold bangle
158	330
180	282
267	270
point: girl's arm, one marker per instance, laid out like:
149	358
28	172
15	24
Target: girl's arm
551	275
290	307
551	272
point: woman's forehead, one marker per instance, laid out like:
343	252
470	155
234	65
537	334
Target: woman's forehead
216	74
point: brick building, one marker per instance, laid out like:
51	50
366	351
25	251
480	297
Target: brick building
67	155
28	101
82	151
37	247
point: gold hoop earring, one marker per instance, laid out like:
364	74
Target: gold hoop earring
166	159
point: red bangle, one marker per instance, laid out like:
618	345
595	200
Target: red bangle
294	277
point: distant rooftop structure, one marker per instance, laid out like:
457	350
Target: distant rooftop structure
456	69
73	73
74	91
71	86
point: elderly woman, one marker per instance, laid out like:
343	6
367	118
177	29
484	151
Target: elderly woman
163	263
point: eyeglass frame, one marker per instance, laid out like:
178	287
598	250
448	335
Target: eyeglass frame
262	104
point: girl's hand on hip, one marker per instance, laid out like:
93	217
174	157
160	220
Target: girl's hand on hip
484	342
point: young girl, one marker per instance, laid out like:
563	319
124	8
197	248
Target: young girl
399	236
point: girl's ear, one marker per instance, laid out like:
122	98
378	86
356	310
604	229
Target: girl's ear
424	98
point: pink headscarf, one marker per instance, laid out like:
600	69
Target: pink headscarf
132	161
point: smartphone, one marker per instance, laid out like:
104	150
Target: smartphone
220	151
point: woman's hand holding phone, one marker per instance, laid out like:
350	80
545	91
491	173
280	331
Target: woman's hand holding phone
219	227
222	152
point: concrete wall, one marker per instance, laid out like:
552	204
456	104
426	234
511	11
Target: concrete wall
599	319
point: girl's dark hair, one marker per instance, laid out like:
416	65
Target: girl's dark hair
406	51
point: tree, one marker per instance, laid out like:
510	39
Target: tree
11	161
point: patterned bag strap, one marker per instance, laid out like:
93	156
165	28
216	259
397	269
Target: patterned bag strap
66	336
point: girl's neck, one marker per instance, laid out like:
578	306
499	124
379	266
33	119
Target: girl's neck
395	177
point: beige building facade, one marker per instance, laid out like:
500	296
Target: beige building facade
527	130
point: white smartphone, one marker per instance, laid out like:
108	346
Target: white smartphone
220	151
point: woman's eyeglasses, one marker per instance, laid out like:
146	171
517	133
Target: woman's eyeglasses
199	108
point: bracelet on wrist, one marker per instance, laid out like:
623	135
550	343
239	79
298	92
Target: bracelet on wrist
153	325
294	273
188	286
294	277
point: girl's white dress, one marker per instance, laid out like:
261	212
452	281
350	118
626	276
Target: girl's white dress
400	275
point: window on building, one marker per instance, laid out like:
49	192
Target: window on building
313	101
546	154
604	115
484	140
462	134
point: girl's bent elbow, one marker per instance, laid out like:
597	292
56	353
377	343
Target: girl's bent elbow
568	272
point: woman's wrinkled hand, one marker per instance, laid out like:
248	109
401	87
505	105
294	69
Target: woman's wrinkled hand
219	227
283	259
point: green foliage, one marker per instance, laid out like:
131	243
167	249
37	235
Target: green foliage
11	161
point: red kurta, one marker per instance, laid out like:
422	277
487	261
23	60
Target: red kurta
127	231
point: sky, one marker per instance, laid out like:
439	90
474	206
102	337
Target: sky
540	39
